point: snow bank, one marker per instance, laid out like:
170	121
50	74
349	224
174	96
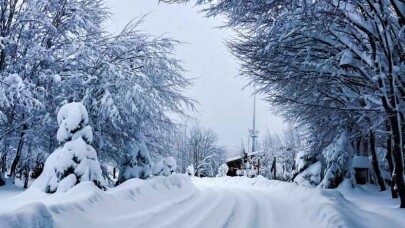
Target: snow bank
85	205
32	215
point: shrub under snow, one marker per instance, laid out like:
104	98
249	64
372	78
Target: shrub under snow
309	169
223	170
311	176
190	170
138	164
76	160
164	167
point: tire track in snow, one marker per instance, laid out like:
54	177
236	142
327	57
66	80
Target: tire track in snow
231	216
244	214
140	218
165	215
261	210
218	215
190	215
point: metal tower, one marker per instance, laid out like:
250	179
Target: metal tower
253	132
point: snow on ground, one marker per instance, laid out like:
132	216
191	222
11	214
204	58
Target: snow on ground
178	201
8	191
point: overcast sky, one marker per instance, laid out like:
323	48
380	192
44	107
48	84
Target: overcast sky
224	104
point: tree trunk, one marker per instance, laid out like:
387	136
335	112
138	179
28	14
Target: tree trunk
3	166
358	147
274	169
2	182
13	167
388	156
26	176
374	161
365	146
4	163
398	158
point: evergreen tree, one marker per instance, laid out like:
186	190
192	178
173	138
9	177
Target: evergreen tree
76	160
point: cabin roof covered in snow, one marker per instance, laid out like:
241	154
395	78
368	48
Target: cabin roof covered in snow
240	157
361	162
233	159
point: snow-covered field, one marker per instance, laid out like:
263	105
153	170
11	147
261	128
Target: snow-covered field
178	201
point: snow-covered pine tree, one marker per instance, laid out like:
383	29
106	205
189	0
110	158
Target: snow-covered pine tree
137	162
76	160
339	162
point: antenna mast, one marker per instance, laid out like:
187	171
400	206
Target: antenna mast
253	131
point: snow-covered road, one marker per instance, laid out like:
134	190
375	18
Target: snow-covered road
177	202
211	207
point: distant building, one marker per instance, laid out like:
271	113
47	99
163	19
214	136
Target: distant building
246	165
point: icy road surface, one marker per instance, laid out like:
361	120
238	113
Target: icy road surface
177	202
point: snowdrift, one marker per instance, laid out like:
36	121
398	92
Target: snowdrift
85	205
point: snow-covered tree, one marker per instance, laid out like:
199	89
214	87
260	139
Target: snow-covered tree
327	65
338	158
138	163
284	147
202	151
164	167
190	170
56	51
41	40
76	160
222	170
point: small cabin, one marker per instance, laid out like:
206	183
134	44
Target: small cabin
238	163
234	165
363	169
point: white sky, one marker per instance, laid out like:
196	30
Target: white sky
223	105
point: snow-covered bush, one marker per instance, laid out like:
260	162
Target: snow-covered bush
309	168
338	157
311	176
164	167
190	170
138	163
76	160
223	170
